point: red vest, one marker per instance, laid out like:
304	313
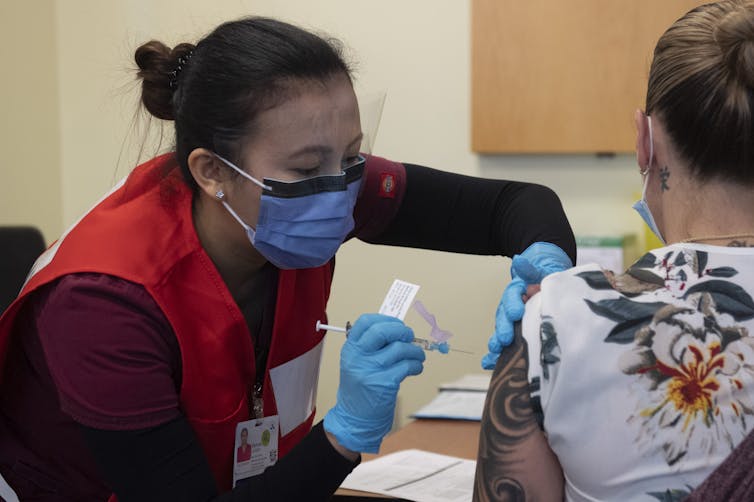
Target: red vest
143	232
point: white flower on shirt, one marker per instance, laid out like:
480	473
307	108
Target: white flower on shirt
690	363
687	351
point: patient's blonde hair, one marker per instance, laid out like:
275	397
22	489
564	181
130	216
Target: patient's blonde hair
701	84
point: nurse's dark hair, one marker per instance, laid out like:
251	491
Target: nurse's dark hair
215	90
701	85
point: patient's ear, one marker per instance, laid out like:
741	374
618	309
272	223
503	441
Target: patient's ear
207	171
642	139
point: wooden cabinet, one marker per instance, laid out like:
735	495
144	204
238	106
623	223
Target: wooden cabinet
556	76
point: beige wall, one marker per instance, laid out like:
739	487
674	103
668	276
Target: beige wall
417	51
29	117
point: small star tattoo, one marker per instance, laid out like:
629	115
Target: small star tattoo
664	175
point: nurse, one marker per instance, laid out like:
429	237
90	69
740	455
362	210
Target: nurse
181	309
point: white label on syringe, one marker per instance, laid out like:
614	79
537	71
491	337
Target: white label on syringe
399	298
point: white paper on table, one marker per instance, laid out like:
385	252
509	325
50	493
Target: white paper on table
398	299
416	475
454	404
609	258
479	382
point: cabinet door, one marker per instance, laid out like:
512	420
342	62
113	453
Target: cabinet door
552	76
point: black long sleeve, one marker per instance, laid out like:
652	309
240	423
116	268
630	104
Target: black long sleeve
166	463
464	214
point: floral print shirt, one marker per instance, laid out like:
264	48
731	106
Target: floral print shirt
645	379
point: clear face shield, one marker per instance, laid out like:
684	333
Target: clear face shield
371	104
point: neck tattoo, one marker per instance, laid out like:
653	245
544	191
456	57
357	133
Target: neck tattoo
664	175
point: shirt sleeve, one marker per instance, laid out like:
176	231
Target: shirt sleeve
416	206
382	189
531	330
111	352
167	463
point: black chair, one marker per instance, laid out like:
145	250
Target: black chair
19	248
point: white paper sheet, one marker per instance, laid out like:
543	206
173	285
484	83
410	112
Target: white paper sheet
610	258
473	381
416	475
454	404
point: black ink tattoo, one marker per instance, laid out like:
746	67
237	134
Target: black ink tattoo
664	175
508	446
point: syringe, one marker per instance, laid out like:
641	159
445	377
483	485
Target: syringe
425	344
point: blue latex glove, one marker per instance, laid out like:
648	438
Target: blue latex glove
530	267
375	359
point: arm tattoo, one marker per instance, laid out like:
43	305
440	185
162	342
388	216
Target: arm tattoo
508	420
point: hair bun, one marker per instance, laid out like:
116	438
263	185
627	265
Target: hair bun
735	35
158	70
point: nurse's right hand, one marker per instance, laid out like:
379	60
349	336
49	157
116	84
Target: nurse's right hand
527	269
376	357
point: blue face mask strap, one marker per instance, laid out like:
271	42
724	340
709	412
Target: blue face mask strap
651	147
645	172
243	173
238	218
641	206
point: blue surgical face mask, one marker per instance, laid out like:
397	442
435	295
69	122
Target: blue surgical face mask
302	224
641	205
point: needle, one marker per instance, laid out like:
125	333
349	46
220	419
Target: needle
423	343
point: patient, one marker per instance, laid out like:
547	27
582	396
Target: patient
636	386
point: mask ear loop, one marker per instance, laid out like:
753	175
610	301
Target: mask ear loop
238	218
644	171
221	195
244	173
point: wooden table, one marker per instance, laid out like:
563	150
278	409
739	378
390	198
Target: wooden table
458	438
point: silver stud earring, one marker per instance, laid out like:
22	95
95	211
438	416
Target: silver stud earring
220	194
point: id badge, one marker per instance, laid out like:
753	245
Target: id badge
256	447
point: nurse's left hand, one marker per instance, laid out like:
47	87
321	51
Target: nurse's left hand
527	269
